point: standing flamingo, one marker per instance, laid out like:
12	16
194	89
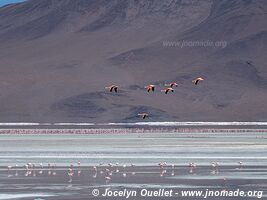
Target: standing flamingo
70	173
240	164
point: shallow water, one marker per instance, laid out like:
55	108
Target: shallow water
144	150
54	184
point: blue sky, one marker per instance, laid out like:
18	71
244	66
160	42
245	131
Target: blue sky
4	2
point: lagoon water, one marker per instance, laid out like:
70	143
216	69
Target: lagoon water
140	149
143	150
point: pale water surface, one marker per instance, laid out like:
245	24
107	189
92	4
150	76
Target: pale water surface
143	150
140	149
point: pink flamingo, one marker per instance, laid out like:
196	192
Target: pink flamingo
112	87
197	80
166	90
150	88
172	84
143	115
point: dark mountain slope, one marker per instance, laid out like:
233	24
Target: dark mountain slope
56	57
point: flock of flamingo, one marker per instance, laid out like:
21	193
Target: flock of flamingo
151	88
104	171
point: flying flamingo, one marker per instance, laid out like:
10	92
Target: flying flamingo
196	81
166	90
143	115
172	84
150	88
112	87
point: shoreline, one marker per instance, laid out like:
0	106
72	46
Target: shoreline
89	131
169	166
